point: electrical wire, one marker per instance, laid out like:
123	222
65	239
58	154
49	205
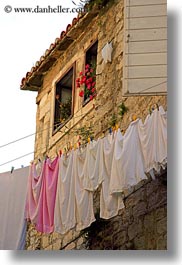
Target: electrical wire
32	134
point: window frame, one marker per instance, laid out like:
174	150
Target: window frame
73	66
86	101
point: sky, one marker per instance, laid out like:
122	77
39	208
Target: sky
24	39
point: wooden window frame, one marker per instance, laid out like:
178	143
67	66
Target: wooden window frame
73	66
85	102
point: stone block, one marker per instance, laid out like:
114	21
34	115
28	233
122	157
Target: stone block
139	209
162	243
135	229
162	226
57	245
119	239
71	246
139	243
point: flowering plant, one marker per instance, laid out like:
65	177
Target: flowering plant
88	79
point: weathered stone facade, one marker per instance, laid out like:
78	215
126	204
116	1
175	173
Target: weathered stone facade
142	224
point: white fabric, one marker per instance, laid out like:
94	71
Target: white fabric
128	167
109	204
107	52
74	204
64	215
13	187
91	177
153	137
84	198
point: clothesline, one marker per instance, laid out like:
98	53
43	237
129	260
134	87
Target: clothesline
60	195
17	158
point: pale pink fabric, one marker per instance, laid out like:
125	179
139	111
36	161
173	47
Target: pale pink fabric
42	194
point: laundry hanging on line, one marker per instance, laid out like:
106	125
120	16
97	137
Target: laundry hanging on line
13	191
115	162
40	202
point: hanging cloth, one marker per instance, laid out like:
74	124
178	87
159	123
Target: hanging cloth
84	198
153	137
33	193
46	205
91	177
13	188
42	194
128	160
110	204
64	216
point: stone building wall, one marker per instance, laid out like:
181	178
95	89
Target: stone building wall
142	224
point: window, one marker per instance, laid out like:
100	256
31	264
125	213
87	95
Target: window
91	60
64	99
145	47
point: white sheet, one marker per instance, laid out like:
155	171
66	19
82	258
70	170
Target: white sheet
91	177
153	137
110	204
128	165
64	215
84	198
13	187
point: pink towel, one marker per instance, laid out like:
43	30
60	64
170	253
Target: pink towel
42	194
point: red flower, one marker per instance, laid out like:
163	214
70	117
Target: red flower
89	86
91	70
81	73
87	82
78	80
87	66
88	74
90	79
81	94
84	78
93	84
93	90
91	97
77	85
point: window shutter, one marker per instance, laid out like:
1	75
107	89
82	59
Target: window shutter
145	47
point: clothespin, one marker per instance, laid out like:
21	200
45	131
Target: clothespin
110	130
75	146
157	106
12	169
89	140
113	128
102	135
117	127
39	160
60	152
22	166
134	117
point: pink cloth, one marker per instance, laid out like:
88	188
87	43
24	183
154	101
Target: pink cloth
41	195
